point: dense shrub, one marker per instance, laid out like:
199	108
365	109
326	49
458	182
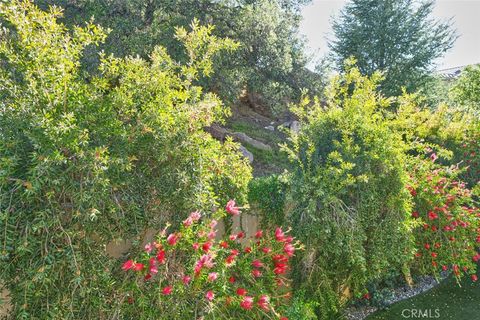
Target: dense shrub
85	160
266	196
194	272
347	189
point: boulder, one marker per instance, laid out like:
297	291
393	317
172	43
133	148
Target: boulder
295	126
247	154
243	138
217	132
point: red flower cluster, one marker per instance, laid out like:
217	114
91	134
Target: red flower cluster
221	268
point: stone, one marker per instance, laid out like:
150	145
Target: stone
217	132
243	138
271	128
295	126
247	154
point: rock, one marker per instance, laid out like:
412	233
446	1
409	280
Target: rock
247	154
243	138
271	128
295	126
217	132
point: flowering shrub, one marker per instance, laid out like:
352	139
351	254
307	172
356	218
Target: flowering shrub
447	219
194	273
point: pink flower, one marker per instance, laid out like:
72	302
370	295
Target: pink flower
172	239
188	222
289	249
474	278
211	235
256	273
213	223
149	247
153	266
210	295
167	290
259	234
433	156
195	246
247	250
186	280
232	209
263	302
127	265
247	303
257	264
195	215
279	235
266	250
212	276
233	237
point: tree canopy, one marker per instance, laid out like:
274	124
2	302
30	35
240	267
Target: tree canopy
398	37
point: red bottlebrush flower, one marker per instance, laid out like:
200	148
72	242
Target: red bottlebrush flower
127	265
172	239
288	239
161	256
210	295
241	291
263	302
434	255
437	245
186	280
138	266
257	264
167	290
247	303
259	234
280	258
476	257
212	276
195	246
427	246
474	278
230	259
247	250
256	273
412	191
233	237
478	239
147	277
240	235
415	214
224	244
206	247
279	235
266	250
432	215
289	249
434	228
232	209
231	279
444	268
434	264
367	296
280	269
283	318
234	252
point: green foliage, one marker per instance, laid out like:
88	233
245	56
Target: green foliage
266	196
85	160
466	91
347	188
270	61
397	37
